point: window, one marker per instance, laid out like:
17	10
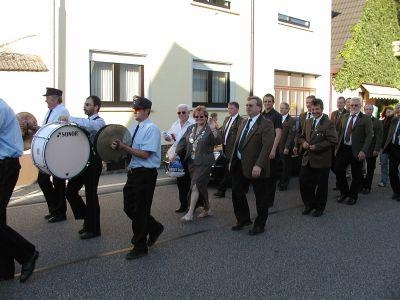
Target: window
210	87
293	21
293	88
220	3
115	82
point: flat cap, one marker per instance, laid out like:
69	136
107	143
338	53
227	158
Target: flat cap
141	102
53	91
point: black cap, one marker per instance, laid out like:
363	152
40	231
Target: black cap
53	91
141	102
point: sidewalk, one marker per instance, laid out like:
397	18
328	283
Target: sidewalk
109	183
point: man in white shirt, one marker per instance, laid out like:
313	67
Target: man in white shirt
54	191
89	212
229	131
174	134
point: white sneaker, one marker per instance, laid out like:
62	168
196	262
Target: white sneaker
381	184
187	218
204	213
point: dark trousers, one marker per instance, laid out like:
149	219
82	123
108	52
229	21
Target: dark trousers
184	187
394	161
90	211
9	172
345	157
263	191
54	193
367	180
286	162
138	197
226	181
314	186
12	246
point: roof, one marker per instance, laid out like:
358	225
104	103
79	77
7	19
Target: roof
381	91
21	62
345	14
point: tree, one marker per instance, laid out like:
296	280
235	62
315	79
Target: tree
367	55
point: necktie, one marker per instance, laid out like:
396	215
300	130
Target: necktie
226	129
313	125
134	134
349	129
48	116
243	137
308	115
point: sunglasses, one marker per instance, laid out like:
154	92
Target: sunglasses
181	112
197	117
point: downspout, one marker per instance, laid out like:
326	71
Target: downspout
252	49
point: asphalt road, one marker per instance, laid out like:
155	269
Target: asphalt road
351	252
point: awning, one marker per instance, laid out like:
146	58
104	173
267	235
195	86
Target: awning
380	92
21	62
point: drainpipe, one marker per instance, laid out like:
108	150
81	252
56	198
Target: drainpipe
252	49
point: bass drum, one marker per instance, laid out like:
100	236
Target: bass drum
61	149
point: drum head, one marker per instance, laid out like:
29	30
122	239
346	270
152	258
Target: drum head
28	124
105	136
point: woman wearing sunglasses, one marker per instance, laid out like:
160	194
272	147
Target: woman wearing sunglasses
199	141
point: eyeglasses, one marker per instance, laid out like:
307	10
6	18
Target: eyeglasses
181	112
197	117
354	105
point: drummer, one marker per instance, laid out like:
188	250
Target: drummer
89	212
54	191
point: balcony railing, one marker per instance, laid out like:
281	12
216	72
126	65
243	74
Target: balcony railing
219	3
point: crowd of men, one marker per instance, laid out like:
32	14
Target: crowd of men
259	149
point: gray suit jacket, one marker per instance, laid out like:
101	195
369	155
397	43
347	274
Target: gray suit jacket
204	152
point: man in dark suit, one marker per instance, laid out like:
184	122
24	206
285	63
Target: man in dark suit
336	117
355	136
318	138
229	131
373	150
250	163
285	147
392	146
297	149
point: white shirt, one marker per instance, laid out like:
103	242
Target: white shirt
92	124
179	130
317	121
229	124
309	115
56	112
347	126
284	117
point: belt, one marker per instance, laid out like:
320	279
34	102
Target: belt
9	158
139	170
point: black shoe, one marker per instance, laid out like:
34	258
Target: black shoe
341	198
154	236
351	201
317	213
239	226
28	267
134	254
366	191
396	196
307	210
84	228
219	194
4	278
49	216
256	230
283	188
335	188
181	209
56	219
89	235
